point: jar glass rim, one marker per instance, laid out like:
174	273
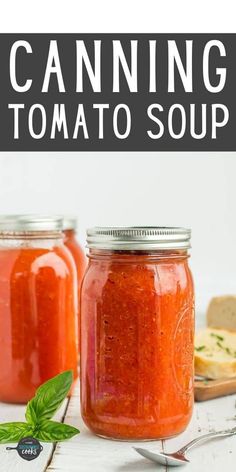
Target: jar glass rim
69	223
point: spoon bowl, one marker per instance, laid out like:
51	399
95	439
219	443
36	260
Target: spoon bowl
174	459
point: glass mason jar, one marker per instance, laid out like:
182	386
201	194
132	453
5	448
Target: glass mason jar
38	305
137	324
69	230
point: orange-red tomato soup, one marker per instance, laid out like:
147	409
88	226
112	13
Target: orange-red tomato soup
77	253
38	313
79	257
137	324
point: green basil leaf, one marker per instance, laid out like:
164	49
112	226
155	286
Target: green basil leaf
13	432
48	398
52	431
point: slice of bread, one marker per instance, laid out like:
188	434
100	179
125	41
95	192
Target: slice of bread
215	353
221	312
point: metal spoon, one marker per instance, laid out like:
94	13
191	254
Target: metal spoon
178	457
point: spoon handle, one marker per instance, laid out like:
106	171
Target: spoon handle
206	437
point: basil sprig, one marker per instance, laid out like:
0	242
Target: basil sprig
39	411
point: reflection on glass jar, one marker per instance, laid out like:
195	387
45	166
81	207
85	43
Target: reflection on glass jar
38	305
137	322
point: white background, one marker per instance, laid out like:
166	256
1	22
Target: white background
196	190
188	189
123	16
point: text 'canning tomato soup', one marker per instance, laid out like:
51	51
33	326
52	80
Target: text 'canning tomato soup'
137	325
38	305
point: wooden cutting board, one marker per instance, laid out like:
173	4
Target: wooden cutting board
208	389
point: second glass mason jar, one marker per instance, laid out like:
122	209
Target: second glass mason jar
69	230
38	305
70	240
137	324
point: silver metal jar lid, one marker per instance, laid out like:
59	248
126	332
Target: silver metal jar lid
138	238
69	223
30	223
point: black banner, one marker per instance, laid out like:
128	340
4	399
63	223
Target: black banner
117	92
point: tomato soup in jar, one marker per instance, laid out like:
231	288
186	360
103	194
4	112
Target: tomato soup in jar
137	324
71	242
38	305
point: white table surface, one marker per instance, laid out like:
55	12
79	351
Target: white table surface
88	453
